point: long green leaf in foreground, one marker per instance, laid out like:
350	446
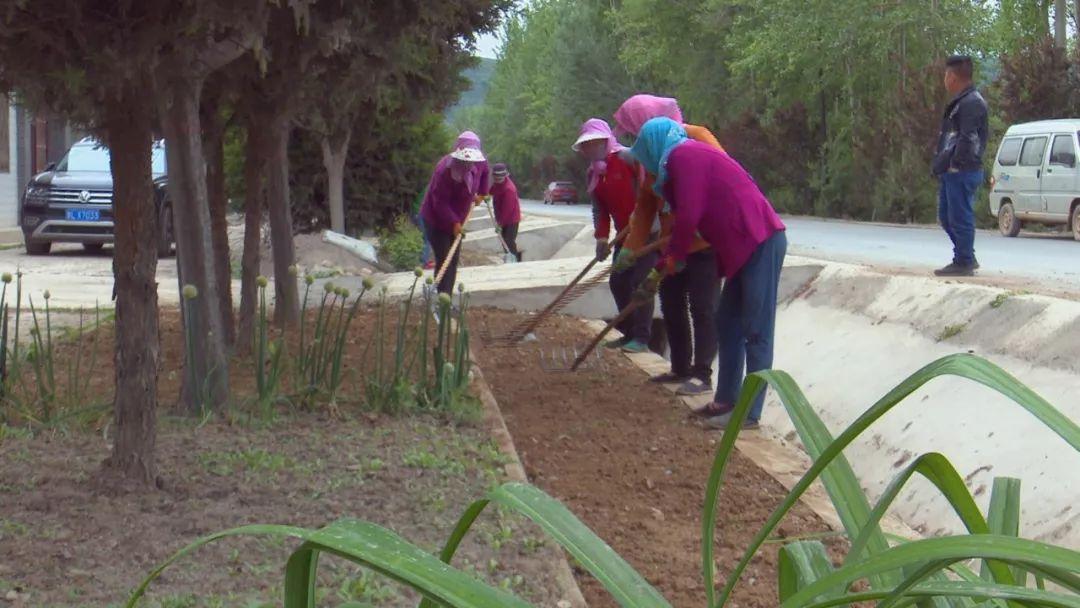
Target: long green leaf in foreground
981	591
966	366
939	553
367	544
800	564
625	584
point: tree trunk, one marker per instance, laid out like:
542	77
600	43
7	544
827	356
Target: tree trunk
334	156
214	148
286	292
206	382
129	134
1076	17
1061	23
254	199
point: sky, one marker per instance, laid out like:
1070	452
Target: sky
488	45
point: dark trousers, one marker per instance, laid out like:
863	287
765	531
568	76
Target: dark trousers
509	236
956	212
623	285
746	321
688	303
440	245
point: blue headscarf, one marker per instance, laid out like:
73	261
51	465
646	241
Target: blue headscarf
657	138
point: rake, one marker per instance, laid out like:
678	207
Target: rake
559	360
624	314
571	292
508	256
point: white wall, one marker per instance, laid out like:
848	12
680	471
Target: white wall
10	189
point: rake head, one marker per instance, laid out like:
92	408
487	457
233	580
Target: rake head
561	360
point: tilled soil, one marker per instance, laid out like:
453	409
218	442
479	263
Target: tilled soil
629	461
71	537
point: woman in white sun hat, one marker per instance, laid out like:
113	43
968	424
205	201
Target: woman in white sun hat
460	178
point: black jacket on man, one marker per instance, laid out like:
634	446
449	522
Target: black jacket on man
964	131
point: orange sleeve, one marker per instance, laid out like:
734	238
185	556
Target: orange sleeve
645	210
703	135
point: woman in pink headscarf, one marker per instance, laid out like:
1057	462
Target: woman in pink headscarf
688	295
460	178
612	189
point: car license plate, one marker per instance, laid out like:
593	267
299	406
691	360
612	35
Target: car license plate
84	215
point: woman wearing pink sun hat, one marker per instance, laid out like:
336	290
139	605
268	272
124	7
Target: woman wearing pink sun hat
459	179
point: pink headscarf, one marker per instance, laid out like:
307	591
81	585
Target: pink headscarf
476	178
637	110
467	139
595	128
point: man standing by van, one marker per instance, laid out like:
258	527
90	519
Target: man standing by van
958	164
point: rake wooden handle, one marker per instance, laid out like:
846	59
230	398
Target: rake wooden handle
623	315
626	312
554	305
495	225
449	258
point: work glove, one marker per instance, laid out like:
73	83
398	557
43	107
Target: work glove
623	261
648	288
498	229
602	250
457	229
670	266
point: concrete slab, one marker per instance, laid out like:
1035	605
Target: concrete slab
538	238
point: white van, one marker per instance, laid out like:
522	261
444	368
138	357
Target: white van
1036	178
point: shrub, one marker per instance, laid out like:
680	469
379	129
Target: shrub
402	244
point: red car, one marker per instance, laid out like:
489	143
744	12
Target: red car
560	192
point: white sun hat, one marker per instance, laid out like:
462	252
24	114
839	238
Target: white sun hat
587	136
470	155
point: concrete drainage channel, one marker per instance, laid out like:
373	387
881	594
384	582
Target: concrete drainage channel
848	335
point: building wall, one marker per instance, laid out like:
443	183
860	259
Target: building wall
10	186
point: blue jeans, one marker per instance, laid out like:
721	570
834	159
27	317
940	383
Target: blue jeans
956	212
425	253
746	321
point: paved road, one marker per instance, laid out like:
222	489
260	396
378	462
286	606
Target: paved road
1048	262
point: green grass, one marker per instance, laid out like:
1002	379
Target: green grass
951	331
897	572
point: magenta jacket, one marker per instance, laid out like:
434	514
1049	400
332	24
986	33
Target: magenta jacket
448	202
507	205
712	195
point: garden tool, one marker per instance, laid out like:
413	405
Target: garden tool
573	291
449	258
624	314
559	360
570	293
508	256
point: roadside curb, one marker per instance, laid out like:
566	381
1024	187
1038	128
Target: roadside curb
515	471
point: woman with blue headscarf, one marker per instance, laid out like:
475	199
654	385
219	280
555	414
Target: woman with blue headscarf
711	195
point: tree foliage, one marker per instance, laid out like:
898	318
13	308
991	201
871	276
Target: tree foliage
833	105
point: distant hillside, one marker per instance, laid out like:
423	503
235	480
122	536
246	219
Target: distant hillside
480	79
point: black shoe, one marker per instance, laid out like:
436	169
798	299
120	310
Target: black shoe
956	270
669	378
714	409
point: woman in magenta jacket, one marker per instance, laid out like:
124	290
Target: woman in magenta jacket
710	194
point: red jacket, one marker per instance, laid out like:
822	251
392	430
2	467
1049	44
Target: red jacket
614	197
507	205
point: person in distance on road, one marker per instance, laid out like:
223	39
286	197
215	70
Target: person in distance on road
455	185
611	183
693	289
713	196
958	164
504	196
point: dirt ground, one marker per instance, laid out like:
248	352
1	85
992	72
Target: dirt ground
70	538
627	459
